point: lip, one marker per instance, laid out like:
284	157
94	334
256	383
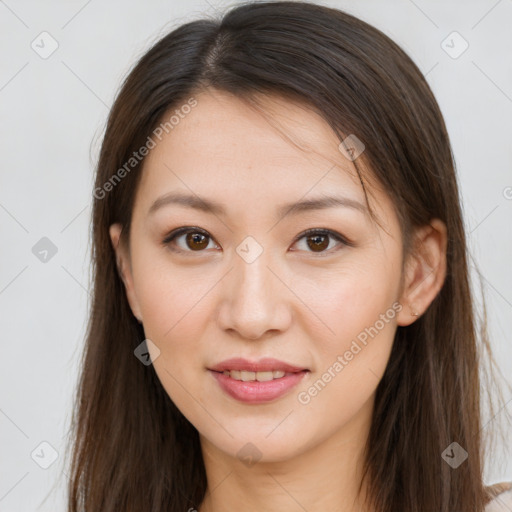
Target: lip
267	364
255	392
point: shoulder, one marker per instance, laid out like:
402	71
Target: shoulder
501	497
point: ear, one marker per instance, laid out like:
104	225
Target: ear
124	269
425	271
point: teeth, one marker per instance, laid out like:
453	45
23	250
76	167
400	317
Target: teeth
246	376
252	376
264	376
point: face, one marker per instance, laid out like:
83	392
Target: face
315	290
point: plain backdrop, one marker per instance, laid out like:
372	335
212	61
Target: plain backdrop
53	110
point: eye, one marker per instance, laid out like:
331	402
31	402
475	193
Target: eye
318	240
196	239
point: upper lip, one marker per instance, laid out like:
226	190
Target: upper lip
267	364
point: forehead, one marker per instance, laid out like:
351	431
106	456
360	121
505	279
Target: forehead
225	148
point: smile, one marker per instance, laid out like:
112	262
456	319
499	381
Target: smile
257	387
254	376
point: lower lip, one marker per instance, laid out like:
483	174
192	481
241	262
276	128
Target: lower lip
255	391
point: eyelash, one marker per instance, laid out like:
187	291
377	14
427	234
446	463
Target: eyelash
314	231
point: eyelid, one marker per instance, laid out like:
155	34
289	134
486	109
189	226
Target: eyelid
170	237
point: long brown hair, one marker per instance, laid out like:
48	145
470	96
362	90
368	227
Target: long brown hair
132	449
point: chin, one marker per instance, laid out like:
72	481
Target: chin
251	445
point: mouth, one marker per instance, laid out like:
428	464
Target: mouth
260	382
246	376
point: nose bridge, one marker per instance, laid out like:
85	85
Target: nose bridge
256	301
253	276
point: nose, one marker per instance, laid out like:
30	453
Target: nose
255	299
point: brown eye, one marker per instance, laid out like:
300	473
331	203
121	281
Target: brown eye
318	241
195	240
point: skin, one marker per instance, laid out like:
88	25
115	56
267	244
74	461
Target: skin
292	303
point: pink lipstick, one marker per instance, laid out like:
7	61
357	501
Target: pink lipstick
257	381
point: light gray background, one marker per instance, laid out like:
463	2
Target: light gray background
52	115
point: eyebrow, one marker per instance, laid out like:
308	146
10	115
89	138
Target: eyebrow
209	206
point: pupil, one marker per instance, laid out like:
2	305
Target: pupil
319	245
197	238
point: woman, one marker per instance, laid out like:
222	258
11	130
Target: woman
282	316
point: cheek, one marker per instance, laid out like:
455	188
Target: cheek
172	300
350	301
352	347
174	311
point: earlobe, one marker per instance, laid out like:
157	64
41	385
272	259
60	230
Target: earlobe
425	271
123	268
